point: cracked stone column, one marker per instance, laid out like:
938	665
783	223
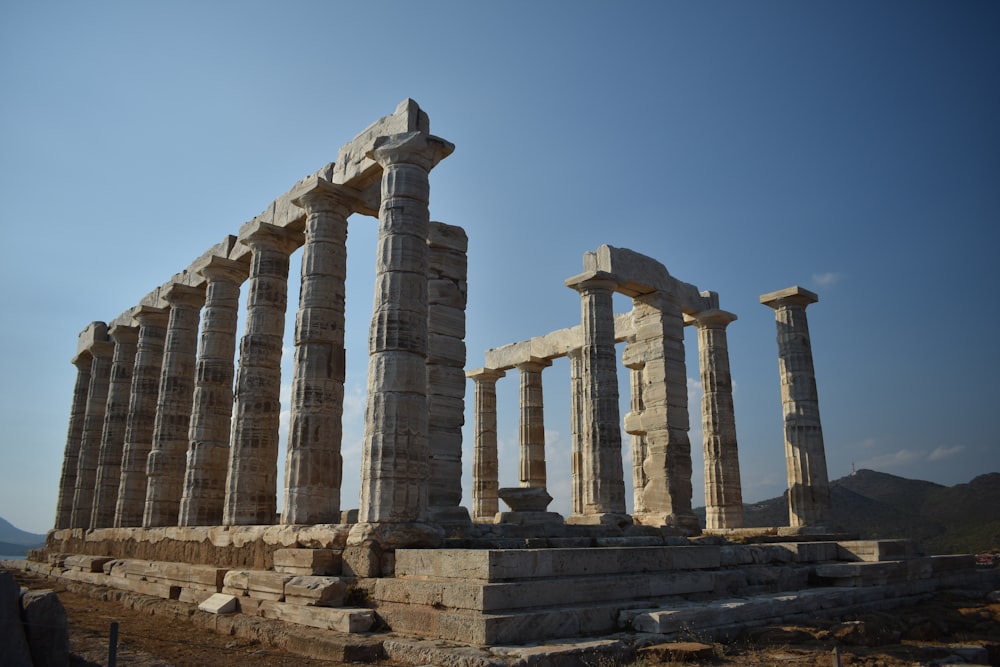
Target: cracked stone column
577	419
74	436
109	462
204	491
447	290
485	465
664	421
723	490
395	466
805	457
636	364
313	464
101	351
532	431
167	456
603	481
252	482
143	395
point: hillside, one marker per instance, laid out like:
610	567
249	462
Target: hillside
16	542
960	519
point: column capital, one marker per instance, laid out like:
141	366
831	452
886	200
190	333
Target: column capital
225	270
178	294
121	333
533	364
790	296
592	281
419	148
485	374
711	319
151	315
316	194
82	360
102	349
265	236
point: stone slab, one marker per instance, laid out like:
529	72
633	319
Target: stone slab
325	618
220	603
87	563
315	591
307	561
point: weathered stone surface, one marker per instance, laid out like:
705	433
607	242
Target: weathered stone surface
315	591
14	649
325	618
220	603
93	428
307	561
74	436
46	628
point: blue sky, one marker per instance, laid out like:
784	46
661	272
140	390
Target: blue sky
852	148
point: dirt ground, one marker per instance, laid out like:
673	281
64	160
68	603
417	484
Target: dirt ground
924	634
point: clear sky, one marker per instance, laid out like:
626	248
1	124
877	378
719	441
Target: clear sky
852	148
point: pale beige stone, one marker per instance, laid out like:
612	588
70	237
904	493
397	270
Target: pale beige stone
101	352
220	603
71	454
315	591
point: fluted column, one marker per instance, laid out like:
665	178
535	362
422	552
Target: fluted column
664	421
632	360
109	462
102	352
485	466
577	418
805	456
602	477
532	431
252	484
166	463
723	490
143	396
74	435
204	491
314	465
395	467
447	289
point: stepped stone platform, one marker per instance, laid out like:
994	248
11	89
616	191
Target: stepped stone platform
530	601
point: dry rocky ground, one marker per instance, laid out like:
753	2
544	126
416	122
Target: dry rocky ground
949	629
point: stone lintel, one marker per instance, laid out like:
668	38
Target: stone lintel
595	278
558	343
354	167
638	274
790	296
181	293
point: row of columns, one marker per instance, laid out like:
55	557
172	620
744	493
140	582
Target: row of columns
159	436
658	419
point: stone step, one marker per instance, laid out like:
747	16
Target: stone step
496	565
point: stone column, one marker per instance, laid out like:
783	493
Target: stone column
204	491
395	467
166	463
74	436
577	418
485	466
664	421
102	352
143	396
252	482
447	289
109	462
532	432
633	421
603	480
314	465
723	491
805	457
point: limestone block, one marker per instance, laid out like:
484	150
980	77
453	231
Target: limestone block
307	561
267	585
446	321
220	603
316	591
445	292
87	563
362	560
453	237
191	594
442	349
877	550
325	618
326	536
14	649
237	582
46	628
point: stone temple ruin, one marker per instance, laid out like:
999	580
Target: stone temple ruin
169	482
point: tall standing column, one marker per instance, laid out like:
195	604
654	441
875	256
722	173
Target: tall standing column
577	418
603	479
314	465
204	491
102	352
394	473
532	432
109	462
485	466
143	396
723	490
666	497
633	425
252	482
74	436
166	463
805	457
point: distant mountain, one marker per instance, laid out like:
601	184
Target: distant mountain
16	542
960	519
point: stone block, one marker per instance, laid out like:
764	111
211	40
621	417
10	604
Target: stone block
267	585
14	648
87	563
220	603
325	618
46	628
316	591
877	550
307	561
362	561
